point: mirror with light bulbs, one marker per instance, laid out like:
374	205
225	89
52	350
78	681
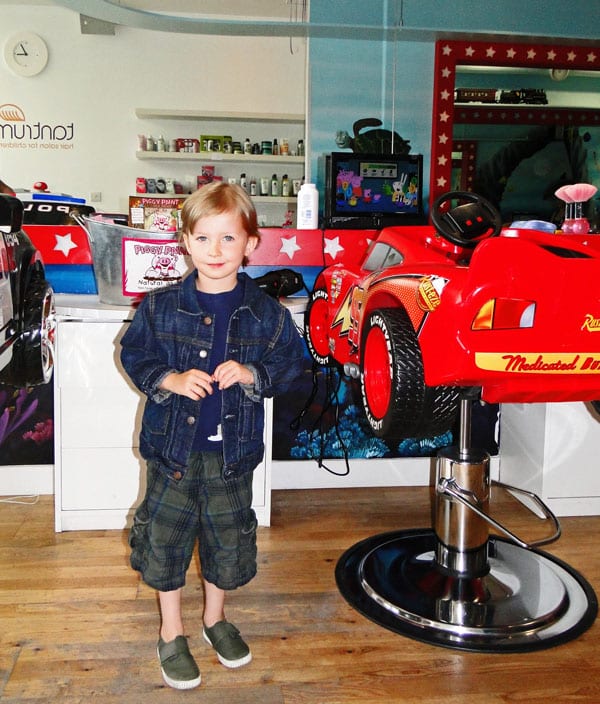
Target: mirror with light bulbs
514	122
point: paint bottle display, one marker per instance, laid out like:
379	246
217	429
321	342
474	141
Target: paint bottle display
308	207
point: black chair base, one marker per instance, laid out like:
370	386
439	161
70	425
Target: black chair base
529	600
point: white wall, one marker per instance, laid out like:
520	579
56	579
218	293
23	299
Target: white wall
97	81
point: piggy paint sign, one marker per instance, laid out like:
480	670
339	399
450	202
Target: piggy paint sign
149	264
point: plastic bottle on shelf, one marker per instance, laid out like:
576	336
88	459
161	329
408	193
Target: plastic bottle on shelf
300	149
308	207
274	185
275	146
253	186
243	182
247	146
285	186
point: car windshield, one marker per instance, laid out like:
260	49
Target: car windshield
382	256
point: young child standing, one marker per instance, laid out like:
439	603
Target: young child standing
206	352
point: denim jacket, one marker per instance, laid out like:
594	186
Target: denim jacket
170	333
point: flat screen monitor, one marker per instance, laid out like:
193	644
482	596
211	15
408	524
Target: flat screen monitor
371	191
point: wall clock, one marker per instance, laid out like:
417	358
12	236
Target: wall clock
26	54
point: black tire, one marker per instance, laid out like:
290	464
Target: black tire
396	401
316	327
32	362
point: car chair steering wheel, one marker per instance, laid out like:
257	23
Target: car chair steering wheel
466	224
457	586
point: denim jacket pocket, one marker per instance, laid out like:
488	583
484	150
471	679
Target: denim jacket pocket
248	425
156	418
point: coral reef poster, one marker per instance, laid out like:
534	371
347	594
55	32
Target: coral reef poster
322	417
26	425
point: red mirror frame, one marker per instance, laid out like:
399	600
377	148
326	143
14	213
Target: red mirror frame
449	54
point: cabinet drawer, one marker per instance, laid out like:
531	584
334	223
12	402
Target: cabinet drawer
89	354
114	478
107	478
98	417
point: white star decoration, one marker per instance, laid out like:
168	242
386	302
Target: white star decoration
333	247
64	244
289	246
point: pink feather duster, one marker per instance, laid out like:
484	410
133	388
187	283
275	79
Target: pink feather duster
580	192
563	194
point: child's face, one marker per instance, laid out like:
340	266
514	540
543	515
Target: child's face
217	246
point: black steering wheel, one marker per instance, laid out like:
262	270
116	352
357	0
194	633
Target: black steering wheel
465	225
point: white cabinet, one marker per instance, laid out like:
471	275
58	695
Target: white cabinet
98	471
552	450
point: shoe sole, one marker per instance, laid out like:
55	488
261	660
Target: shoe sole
178	684
231	664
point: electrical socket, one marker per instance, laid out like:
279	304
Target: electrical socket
96	197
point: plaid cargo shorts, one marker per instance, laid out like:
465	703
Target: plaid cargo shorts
200	506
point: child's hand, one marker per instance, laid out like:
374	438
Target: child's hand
229	373
194	384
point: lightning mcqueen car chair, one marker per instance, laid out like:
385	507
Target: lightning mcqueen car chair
431	320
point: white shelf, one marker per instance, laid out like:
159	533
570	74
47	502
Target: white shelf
168	114
219	156
256	199
274	199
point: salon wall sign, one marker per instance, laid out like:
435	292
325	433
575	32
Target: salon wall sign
18	131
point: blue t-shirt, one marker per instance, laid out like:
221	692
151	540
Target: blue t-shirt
219	307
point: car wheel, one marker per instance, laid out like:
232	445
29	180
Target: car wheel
33	355
316	326
395	398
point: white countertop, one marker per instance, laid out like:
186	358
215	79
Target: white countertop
89	307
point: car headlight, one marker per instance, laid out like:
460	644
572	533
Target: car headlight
505	314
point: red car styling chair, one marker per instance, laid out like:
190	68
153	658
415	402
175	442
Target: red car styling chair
455	585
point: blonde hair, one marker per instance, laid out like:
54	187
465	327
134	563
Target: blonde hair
215	198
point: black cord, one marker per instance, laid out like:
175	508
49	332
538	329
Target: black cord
332	386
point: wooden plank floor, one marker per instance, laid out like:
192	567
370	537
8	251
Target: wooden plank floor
76	624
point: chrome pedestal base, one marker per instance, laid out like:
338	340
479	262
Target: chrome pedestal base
529	600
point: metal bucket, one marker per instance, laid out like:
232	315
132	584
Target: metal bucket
106	244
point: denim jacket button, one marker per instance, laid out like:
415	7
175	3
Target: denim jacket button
177	475
190	420
207	320
228	473
203	353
